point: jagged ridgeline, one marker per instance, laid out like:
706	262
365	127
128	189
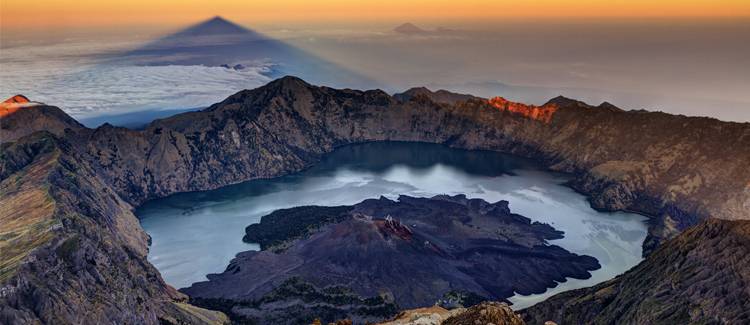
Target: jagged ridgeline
72	251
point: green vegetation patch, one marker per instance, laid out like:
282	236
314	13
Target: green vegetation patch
276	230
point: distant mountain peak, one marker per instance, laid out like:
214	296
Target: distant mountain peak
288	82
17	99
410	29
12	104
440	96
563	101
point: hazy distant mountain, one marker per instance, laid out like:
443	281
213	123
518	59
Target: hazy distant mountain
409	28
439	96
219	42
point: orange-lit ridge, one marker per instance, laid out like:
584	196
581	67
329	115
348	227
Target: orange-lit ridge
542	113
11	105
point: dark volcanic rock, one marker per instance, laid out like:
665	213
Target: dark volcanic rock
414	250
282	226
700	277
296	301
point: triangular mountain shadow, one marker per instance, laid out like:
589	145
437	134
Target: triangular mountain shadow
219	42
214	26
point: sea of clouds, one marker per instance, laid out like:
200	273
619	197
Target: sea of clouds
80	78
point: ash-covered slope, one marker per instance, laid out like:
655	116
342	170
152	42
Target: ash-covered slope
700	277
411	252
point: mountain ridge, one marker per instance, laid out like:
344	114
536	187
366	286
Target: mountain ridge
702	276
677	170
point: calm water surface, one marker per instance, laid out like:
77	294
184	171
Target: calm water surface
194	234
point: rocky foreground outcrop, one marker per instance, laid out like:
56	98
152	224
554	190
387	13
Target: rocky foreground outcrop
400	254
484	313
700	277
678	170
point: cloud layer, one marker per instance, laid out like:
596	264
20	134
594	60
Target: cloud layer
70	76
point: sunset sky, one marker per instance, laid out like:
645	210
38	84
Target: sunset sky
21	14
682	56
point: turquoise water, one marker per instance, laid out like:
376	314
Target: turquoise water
194	234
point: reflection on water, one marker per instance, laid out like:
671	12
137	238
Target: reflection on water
194	234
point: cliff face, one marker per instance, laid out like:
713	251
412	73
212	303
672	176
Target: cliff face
539	113
700	277
677	169
71	252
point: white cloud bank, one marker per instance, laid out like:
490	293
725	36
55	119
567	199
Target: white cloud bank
70	76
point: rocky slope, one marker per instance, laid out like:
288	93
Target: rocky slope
20	117
678	170
377	248
700	277
71	250
484	313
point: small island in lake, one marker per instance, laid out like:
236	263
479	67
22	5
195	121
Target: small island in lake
369	260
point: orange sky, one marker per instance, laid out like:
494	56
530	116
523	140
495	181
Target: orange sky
66	13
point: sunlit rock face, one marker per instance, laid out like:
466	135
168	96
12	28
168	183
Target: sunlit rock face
20	117
17	99
542	113
11	105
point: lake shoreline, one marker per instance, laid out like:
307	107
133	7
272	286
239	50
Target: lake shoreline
497	168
